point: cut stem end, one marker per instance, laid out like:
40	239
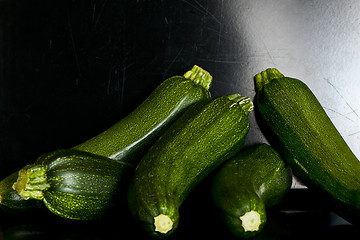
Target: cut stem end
163	223
31	182
263	78
200	77
251	221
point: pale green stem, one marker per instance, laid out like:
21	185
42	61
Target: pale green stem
31	182
199	76
265	77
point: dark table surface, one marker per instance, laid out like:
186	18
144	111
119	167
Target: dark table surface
71	69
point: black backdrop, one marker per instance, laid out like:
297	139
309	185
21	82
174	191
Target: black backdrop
70	69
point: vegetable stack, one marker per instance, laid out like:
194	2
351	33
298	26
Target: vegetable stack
154	157
206	135
124	142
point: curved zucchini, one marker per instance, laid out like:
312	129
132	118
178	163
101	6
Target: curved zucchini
207	134
72	184
131	136
250	182
128	139
309	141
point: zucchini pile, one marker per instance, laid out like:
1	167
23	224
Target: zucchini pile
206	135
154	158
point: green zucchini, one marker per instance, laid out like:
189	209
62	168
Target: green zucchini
308	141
255	179
128	139
10	199
72	184
206	135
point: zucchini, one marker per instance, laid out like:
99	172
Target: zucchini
255	179
128	139
308	141
72	184
206	135
10	199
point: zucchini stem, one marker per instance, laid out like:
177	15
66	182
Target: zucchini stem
163	223
263	78
31	182
244	102
199	76
251	221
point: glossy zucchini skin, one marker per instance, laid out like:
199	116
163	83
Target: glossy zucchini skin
309	141
249	183
72	184
206	135
128	139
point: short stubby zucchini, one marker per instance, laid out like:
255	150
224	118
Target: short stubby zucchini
249	183
72	184
129	138
207	134
308	141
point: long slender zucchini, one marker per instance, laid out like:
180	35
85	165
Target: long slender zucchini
72	184
255	179
131	136
206	135
309	141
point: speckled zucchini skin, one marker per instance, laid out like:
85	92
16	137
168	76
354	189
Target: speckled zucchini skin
253	180
206	135
309	141
73	184
129	138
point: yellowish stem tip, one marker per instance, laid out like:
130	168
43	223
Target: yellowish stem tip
251	221
163	223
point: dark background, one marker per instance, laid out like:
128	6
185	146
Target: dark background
71	69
